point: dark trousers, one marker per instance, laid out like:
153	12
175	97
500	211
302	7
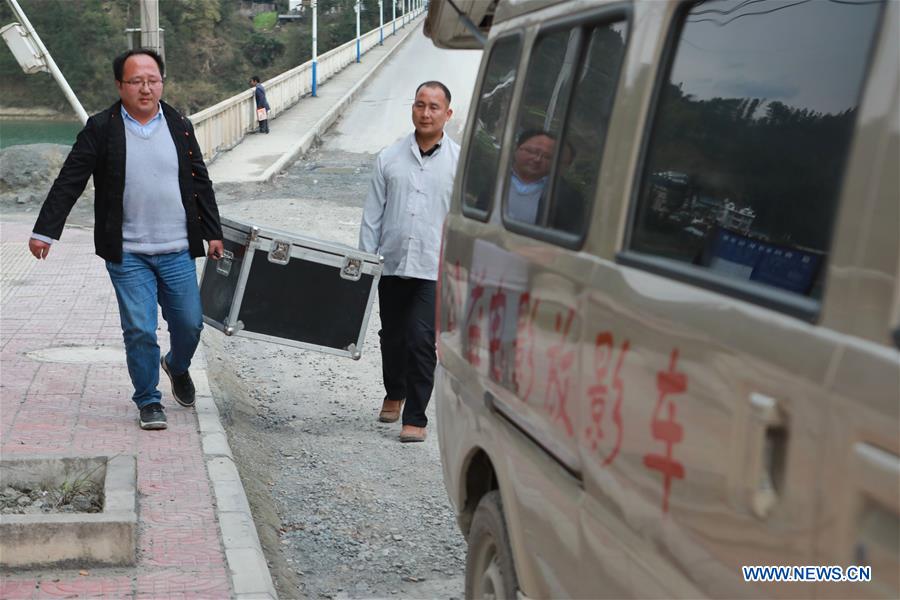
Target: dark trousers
264	126
407	343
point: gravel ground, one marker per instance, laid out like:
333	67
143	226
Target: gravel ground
85	496
343	509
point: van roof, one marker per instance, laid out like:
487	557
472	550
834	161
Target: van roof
445	28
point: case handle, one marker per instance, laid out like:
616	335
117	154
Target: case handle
223	265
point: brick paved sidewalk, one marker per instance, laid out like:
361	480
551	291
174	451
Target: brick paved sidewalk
85	408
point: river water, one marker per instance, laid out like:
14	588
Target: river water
14	132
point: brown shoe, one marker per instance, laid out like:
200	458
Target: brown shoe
390	411
411	433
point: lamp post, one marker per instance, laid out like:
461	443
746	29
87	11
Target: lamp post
314	45
380	23
394	16
357	30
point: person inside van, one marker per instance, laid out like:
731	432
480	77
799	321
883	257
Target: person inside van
532	160
529	188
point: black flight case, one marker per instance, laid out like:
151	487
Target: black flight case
290	289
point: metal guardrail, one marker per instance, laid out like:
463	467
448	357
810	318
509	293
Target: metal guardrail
223	125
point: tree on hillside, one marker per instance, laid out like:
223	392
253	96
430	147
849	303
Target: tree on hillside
211	49
82	36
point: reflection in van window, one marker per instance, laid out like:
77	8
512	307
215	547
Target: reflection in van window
530	169
585	63
585	133
544	99
490	121
744	165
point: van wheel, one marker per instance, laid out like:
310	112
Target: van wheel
490	572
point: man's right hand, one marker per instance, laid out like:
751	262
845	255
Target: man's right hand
38	248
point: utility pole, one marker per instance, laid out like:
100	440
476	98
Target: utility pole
380	23
43	55
357	30
151	36
314	46
394	16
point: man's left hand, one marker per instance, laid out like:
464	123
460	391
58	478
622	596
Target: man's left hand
216	249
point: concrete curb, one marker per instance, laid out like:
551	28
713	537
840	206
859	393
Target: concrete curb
247	566
328	119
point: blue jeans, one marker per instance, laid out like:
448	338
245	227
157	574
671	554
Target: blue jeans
141	281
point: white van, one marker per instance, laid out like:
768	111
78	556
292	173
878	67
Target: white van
669	301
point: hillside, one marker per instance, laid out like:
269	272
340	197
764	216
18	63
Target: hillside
211	49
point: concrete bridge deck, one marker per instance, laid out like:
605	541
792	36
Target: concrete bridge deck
260	156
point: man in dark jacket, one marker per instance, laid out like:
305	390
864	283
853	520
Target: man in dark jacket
259	93
154	205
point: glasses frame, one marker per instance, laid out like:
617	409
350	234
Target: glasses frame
140	83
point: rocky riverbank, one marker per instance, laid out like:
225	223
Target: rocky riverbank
27	173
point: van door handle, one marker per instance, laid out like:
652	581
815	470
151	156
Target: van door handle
768	448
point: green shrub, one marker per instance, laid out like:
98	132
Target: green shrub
262	51
265	21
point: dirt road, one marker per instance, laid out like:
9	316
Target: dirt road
343	509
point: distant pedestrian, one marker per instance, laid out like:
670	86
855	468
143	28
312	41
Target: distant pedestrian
262	105
153	205
402	221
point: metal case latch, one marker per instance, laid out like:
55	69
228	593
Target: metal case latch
223	265
351	269
280	253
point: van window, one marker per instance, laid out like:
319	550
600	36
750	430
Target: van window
753	123
569	89
490	122
539	123
585	131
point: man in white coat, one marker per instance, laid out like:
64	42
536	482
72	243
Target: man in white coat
402	221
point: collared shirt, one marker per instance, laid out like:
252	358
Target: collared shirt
138	128
430	151
408	198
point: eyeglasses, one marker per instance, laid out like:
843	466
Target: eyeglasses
535	153
139	83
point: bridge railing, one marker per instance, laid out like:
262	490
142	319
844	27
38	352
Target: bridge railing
223	125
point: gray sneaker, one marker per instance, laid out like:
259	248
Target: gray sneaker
153	417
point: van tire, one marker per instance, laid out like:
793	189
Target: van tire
490	572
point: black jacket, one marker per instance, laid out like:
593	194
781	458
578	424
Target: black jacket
260	95
99	150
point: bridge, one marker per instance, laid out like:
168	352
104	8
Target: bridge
372	98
